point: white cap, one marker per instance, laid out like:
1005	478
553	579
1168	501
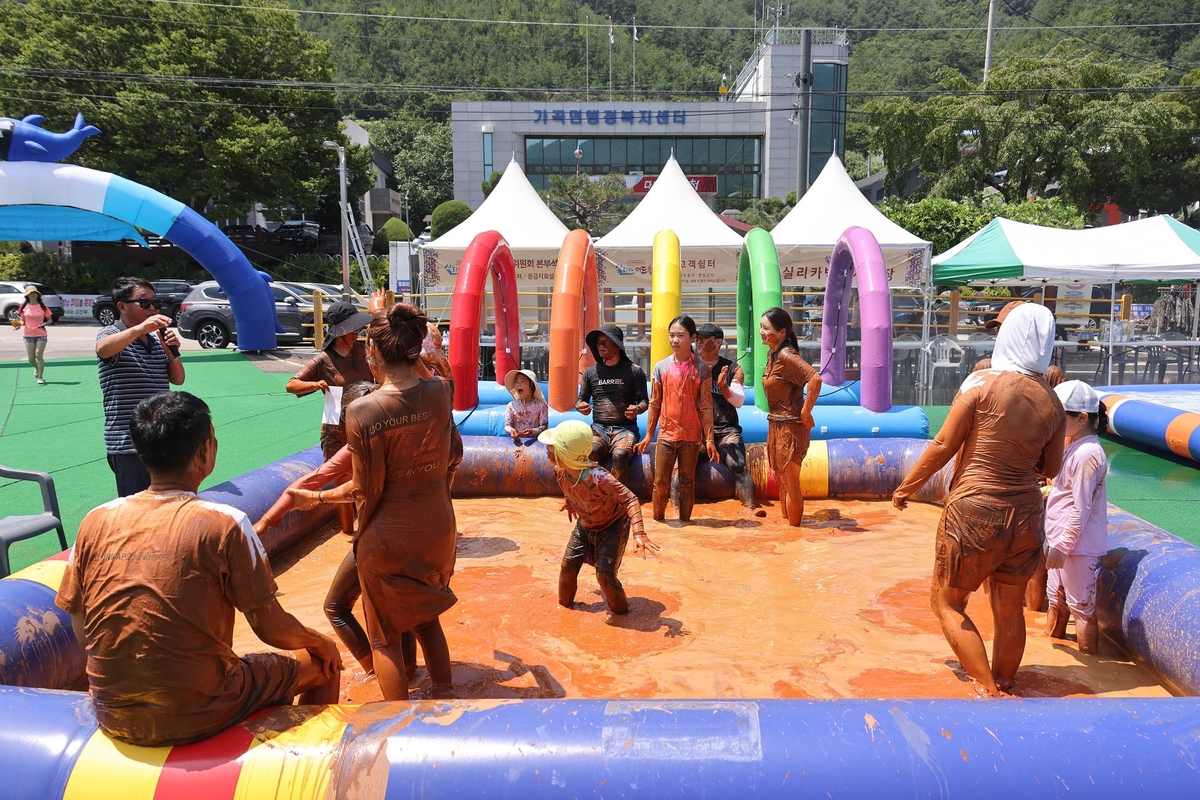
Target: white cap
1077	396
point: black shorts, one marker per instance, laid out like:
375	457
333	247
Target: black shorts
614	437
602	549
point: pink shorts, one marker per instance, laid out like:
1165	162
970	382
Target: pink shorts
1078	576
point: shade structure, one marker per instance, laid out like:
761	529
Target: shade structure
1007	252
807	235
514	210
708	249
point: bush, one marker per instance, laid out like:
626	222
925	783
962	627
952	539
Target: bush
394	230
447	216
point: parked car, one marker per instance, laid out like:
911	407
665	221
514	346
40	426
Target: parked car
12	294
207	317
299	232
247	234
171	291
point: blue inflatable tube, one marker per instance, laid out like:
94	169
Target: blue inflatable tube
833	422
1151	425
663	749
494	394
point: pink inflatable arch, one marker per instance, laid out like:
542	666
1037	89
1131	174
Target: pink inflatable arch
857	252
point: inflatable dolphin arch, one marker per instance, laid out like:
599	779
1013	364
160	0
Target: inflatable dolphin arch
42	200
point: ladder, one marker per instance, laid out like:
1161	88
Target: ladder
356	246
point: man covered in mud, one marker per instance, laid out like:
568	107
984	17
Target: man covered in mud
728	395
613	392
1006	426
151	587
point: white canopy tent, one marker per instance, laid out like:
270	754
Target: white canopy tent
517	212
805	238
708	247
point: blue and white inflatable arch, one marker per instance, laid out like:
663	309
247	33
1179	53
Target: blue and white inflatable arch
48	201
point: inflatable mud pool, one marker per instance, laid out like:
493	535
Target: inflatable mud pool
721	682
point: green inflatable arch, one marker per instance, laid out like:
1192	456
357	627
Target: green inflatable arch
759	288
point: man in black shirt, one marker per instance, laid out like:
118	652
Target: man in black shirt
728	394
613	391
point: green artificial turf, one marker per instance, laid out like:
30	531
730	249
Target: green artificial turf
59	428
1161	489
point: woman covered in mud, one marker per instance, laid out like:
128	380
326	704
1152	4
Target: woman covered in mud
404	448
792	387
1006	426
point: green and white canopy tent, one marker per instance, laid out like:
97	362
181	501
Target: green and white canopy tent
1158	249
1004	252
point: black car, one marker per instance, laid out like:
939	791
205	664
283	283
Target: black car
171	292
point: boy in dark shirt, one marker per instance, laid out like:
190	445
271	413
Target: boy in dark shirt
613	392
728	395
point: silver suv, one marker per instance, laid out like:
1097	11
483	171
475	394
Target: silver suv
205	315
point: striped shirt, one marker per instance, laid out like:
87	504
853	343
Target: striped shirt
126	379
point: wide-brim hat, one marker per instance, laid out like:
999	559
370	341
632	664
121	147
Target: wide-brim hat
343	318
610	331
998	320
31	290
510	383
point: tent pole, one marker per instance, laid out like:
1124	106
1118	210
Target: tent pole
1112	308
927	292
1196	312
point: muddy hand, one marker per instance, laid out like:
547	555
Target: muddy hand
583	407
642	545
899	500
305	499
723	379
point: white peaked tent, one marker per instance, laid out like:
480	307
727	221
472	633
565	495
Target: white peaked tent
515	209
806	236
708	247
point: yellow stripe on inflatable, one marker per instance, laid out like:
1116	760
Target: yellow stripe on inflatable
295	764
47	573
111	770
814	472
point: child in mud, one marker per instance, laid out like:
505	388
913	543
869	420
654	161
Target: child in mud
1077	518
613	393
604	509
681	399
527	415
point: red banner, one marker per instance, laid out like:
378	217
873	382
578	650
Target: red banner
704	184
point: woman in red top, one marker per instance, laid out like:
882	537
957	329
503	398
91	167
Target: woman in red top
680	398
34	315
789	417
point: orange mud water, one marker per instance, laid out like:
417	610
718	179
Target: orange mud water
729	608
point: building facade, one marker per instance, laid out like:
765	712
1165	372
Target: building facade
738	149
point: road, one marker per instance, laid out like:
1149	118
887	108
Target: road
77	338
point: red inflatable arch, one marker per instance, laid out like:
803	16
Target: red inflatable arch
574	310
488	252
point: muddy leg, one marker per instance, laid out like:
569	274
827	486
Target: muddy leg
344	591
1057	615
664	463
950	606
620	465
389	671
614	592
568	582
1087	634
1035	592
1008	646
408	645
790	497
689	454
437	657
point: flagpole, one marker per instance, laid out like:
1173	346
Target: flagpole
610	44
635	58
587	62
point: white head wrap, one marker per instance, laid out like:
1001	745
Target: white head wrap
1026	341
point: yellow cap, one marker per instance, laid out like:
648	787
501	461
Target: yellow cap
572	443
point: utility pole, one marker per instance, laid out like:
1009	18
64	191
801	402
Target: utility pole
804	82
341	151
991	35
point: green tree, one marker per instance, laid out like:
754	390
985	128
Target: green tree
447	216
1047	126
422	159
596	205
490	184
167	85
394	230
945	223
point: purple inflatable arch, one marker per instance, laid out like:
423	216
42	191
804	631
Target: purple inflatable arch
857	252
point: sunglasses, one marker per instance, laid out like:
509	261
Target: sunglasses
146	304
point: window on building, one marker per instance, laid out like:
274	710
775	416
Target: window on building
735	160
487	156
828	127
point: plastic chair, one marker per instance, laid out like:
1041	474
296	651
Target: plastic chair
945	353
25	526
1121	357
971	355
905	362
1159	358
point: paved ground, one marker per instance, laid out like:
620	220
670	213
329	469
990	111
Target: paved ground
76	339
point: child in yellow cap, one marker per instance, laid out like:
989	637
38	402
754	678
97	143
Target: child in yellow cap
604	510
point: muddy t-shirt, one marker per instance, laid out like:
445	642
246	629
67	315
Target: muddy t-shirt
598	500
686	401
611	390
336	369
725	416
156	578
784	380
